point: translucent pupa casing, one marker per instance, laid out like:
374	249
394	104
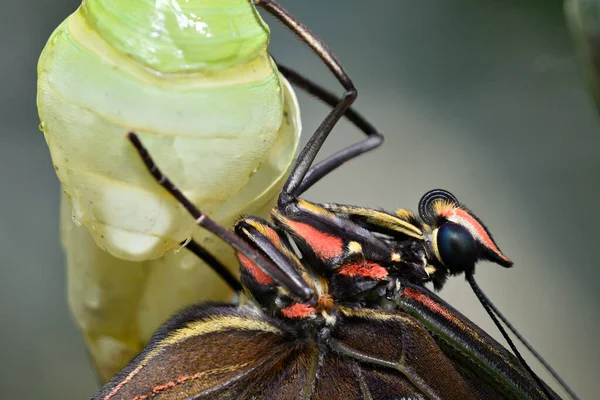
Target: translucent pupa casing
195	80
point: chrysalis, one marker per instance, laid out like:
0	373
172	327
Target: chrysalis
196	80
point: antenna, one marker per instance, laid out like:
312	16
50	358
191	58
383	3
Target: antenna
493	312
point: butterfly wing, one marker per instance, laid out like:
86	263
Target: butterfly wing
215	351
485	364
228	352
396	356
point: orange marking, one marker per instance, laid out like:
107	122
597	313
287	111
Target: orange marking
459	215
199	375
434	306
480	231
258	275
273	237
159	388
325	303
437	308
266	231
324	245
444	208
366	269
298	310
123	382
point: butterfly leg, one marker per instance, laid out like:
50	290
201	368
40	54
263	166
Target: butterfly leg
308	154
214	264
373	140
284	275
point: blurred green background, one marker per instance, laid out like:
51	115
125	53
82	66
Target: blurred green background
484	98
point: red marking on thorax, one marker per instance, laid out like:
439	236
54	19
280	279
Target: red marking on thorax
481	232
432	305
258	275
298	310
365	269
324	245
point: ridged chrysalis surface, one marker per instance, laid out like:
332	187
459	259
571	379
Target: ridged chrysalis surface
195	80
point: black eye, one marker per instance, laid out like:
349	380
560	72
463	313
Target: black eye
456	247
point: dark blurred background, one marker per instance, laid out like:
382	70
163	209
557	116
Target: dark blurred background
484	98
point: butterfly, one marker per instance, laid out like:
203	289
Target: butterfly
332	299
333	307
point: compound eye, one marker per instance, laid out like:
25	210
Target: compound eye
455	247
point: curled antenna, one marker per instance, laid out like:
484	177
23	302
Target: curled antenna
493	312
426	203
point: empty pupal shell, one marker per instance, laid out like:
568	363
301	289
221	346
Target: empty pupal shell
118	304
193	78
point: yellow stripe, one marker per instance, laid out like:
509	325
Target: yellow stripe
378	315
264	230
354	247
211	325
199	328
405	214
380	218
313	208
435	246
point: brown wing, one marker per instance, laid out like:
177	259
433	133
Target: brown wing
224	352
484	363
215	352
343	377
393	350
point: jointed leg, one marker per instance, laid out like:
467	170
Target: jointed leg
284	274
308	154
324	167
215	265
